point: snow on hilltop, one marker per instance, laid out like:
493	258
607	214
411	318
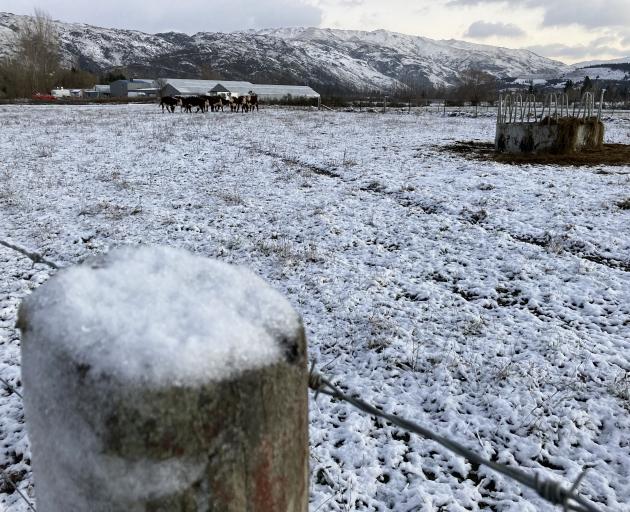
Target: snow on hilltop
320	57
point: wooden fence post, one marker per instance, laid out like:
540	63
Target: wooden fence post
155	380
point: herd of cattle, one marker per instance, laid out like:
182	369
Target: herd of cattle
205	102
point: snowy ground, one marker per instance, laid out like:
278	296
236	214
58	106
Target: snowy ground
489	301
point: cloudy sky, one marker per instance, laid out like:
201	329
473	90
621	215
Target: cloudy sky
570	31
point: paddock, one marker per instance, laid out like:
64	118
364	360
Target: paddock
484	299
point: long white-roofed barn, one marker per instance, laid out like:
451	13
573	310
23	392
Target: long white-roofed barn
185	87
232	88
236	88
270	92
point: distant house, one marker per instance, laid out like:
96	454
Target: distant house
60	93
99	91
133	88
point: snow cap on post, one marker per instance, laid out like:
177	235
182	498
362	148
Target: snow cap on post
156	378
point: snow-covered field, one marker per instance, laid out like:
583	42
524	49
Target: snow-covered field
491	302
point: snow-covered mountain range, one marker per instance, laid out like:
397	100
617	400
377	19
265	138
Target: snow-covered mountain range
323	58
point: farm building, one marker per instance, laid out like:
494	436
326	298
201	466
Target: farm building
99	91
268	92
225	88
183	87
60	93
133	88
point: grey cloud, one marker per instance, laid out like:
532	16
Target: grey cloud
581	52
483	29
587	13
188	16
605	40
457	3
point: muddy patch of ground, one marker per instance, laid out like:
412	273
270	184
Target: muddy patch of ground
609	154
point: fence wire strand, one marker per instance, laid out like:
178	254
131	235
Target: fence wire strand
10	387
550	490
35	257
16	489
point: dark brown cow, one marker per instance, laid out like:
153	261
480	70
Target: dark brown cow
195	101
215	102
232	102
169	103
252	100
241	103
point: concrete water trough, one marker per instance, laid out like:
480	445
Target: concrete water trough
529	127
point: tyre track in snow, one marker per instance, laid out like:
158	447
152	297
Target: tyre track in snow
428	208
418	205
322	171
425	208
545	242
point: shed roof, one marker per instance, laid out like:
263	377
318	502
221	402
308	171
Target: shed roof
233	87
187	86
302	91
135	80
191	87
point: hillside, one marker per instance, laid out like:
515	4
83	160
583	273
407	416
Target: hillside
322	58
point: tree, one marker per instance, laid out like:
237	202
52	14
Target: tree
74	78
568	86
113	75
476	86
38	50
587	85
35	62
207	73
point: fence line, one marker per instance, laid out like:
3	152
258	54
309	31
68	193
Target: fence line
550	490
35	257
15	488
11	388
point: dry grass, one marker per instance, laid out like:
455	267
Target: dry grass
624	204
609	154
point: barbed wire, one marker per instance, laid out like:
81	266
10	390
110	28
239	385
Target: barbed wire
10	387
550	490
35	257
16	489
